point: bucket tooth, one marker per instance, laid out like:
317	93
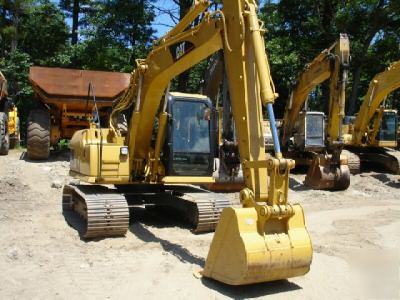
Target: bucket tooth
324	174
241	254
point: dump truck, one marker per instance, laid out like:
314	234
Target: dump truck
9	121
65	106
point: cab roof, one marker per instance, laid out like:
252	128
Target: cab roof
187	95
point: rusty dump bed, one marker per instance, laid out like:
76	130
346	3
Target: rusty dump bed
57	86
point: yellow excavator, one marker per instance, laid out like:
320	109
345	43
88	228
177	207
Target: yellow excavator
304	134
9	121
167	147
371	136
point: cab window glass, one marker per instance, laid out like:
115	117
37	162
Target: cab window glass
191	125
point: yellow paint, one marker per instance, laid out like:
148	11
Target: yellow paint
379	88
187	179
242	253
13	122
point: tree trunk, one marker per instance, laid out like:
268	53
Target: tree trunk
354	91
325	97
75	21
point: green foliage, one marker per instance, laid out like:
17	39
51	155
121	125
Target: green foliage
11	13
63	144
297	30
94	55
15	68
119	32
196	77
43	33
38	32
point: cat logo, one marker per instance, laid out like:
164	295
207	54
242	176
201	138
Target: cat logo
180	49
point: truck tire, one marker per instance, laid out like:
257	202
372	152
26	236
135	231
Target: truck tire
38	135
4	138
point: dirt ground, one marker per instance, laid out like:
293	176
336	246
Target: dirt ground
355	235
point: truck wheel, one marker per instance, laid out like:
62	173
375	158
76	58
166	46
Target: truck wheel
38	135
4	138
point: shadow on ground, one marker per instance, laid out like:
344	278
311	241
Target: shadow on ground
385	179
251	290
55	155
140	231
159	217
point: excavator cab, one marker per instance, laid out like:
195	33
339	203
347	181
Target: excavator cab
310	131
387	134
189	147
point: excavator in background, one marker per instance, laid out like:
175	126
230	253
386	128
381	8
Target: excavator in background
314	143
168	145
9	121
371	136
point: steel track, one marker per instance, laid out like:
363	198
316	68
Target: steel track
206	209
102	212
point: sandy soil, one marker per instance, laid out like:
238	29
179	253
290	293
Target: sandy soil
355	234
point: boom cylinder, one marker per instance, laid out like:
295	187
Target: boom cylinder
267	93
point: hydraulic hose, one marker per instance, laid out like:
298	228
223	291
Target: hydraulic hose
272	123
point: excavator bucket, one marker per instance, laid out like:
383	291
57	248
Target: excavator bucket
323	174
243	252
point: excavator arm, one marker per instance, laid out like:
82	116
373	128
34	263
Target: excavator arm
379	88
